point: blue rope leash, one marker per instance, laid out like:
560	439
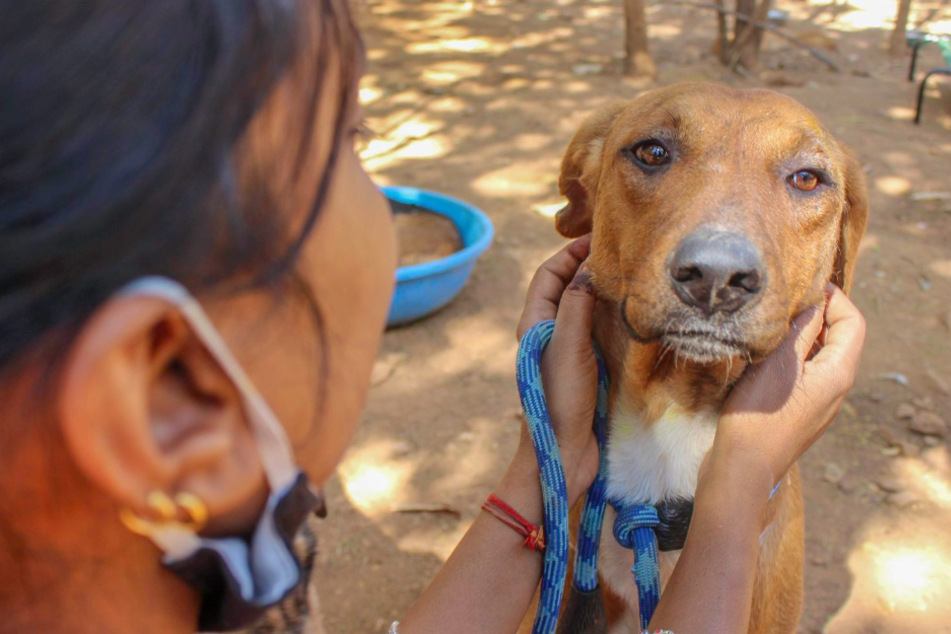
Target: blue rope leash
634	529
555	497
592	514
554	489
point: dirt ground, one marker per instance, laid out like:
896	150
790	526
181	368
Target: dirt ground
478	100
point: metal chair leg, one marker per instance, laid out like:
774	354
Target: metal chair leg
914	59
921	90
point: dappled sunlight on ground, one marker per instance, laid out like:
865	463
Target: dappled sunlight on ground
463	45
907	578
857	15
901	570
893	185
941	267
381	154
910	578
901	581
522	179
902	113
929	476
373	477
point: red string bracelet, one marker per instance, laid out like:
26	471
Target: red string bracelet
534	540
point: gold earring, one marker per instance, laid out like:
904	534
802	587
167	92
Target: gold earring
167	511
163	505
194	509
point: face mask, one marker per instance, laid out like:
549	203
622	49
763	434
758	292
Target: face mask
238	578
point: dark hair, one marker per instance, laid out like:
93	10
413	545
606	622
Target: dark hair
119	127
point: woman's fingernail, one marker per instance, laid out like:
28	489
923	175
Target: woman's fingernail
582	280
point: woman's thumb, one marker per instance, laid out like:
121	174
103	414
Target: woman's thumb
806	328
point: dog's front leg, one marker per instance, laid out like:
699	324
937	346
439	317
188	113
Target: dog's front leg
583	613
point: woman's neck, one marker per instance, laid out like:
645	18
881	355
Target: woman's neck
54	594
66	562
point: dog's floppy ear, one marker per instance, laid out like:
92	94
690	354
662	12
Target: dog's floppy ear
854	219
580	171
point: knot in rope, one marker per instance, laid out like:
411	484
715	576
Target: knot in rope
630	519
634	529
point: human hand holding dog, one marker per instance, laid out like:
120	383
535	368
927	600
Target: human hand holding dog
777	410
491	556
781	406
561	290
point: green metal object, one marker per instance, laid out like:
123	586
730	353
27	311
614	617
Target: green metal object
917	39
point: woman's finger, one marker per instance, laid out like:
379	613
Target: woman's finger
845	334
575	313
548	285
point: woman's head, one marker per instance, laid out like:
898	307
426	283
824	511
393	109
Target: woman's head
208	142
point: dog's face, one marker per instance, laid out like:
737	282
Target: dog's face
718	215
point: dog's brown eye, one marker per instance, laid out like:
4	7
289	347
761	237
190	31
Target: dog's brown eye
652	154
804	180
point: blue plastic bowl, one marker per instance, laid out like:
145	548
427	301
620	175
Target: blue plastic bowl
425	288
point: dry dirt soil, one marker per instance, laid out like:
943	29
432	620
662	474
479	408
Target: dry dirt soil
478	100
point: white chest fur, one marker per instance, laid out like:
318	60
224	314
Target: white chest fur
649	463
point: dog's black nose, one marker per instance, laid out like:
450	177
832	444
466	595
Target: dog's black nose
716	271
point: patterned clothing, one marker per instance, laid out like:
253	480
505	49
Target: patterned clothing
299	613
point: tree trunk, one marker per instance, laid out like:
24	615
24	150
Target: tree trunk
746	7
723	44
748	38
896	45
638	62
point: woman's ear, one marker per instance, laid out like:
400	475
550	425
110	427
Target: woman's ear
580	171
144	407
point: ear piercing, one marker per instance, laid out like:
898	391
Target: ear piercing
185	510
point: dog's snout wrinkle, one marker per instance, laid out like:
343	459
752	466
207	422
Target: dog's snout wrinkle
716	271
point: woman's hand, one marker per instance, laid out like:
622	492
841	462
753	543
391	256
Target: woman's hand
561	290
490	567
783	405
776	412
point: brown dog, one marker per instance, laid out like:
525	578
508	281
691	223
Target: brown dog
718	216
